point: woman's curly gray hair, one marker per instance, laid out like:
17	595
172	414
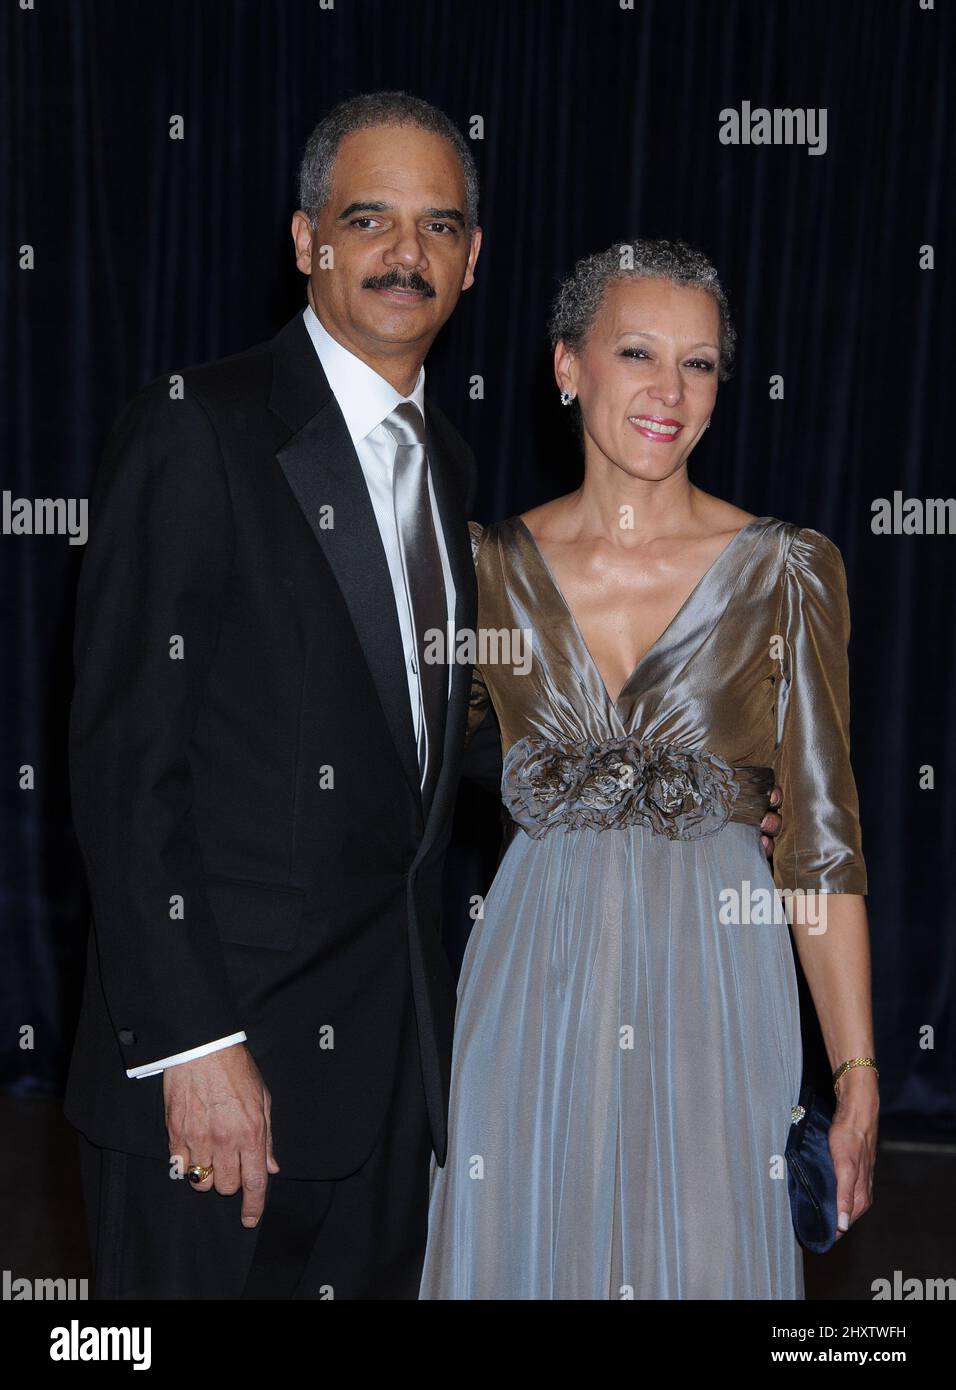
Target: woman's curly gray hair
580	296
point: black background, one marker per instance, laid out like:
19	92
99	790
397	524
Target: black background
599	124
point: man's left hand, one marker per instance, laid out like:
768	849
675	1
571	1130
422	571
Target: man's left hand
771	823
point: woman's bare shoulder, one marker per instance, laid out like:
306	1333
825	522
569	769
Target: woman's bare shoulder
723	516
546	519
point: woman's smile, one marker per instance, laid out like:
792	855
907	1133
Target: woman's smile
655	427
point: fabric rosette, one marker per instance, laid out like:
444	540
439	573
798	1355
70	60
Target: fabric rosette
677	792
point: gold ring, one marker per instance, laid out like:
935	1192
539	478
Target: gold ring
197	1173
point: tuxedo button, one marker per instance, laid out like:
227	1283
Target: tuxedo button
127	1037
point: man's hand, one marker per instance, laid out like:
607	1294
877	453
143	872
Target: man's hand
771	823
218	1115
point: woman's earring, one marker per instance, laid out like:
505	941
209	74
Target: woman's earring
707	426
566	398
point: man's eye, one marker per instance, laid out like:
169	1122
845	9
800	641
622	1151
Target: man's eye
440	227
357	220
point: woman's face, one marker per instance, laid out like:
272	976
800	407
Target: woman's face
646	377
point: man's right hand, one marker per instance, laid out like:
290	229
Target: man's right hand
218	1115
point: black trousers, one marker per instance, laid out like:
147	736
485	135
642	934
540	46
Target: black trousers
360	1237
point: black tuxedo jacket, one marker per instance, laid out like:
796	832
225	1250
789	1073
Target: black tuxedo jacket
243	766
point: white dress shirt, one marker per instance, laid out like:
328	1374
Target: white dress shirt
365	400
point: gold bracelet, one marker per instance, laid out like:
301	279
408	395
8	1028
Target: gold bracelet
854	1062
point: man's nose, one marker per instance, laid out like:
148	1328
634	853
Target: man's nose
406	250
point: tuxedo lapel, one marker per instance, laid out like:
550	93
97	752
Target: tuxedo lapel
323	470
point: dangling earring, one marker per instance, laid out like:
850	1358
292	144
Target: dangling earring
707	426
566	398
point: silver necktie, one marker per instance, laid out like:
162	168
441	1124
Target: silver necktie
424	582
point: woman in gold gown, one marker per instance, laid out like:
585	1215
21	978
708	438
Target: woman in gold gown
627	1043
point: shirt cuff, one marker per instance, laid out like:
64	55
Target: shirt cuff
155	1068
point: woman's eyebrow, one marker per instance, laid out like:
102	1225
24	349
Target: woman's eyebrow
646	333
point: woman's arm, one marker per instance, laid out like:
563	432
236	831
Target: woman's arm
836	963
819	851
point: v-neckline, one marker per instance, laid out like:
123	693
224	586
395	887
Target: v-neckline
559	592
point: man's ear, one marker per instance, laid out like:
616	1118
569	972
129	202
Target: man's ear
302	235
469	279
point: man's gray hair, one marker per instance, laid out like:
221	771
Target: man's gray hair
580	296
373	109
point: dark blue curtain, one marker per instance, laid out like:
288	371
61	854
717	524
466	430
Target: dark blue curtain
599	122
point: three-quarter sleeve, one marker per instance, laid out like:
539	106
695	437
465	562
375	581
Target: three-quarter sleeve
819	844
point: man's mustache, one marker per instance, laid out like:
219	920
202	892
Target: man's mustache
395	280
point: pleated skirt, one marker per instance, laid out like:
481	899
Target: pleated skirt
625	1062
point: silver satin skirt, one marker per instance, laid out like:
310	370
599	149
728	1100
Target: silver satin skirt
625	1064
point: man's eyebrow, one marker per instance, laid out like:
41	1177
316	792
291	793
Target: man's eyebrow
363	207
451	214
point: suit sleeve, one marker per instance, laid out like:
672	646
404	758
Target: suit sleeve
482	761
819	845
153	588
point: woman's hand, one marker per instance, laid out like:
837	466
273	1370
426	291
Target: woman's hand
853	1144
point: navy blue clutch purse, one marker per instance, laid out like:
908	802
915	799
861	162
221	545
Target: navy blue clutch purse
811	1179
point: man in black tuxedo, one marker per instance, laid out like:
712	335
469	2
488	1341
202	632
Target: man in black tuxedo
264	766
